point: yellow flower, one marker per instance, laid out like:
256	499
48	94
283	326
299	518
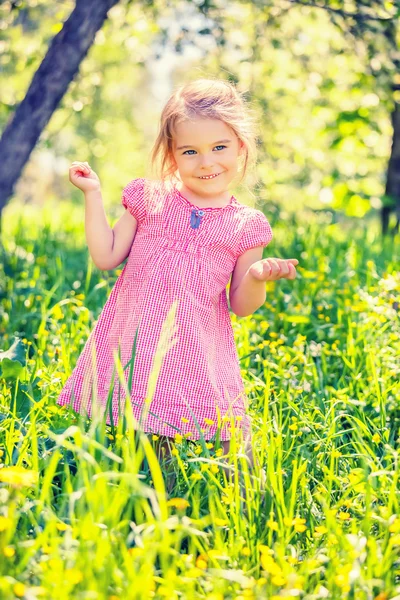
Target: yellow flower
272	525
188	434
208	421
269	565
376	438
178	438
195	476
198	450
204	467
184	420
343	516
5	523
202	561
278	580
219	452
320	530
8	551
19	589
293	426
174	452
214	468
395	526
209	445
179	503
18	476
299	524
265	549
74	575
245	551
220	522
154	437
62	526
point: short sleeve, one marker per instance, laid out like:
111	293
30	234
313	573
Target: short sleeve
257	232
133	198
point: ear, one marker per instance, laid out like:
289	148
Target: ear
242	148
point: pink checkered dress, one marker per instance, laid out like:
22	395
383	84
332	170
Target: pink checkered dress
183	258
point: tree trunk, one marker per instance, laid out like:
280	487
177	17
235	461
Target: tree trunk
49	84
393	175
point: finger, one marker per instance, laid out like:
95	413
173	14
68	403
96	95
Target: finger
275	268
293	261
292	272
284	267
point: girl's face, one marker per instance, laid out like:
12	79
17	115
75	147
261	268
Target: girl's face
206	154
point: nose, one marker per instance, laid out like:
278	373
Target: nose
207	161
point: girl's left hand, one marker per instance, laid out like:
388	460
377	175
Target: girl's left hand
271	269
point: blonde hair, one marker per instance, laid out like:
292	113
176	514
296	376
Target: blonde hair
207	99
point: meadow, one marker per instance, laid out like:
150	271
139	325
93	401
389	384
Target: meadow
83	516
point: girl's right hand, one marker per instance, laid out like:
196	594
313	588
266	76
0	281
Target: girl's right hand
83	177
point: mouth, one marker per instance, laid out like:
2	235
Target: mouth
210	176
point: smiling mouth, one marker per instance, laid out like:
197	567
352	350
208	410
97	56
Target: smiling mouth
210	176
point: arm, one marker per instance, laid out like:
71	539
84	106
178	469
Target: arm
108	247
246	293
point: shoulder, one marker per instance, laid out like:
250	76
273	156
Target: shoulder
254	226
247	215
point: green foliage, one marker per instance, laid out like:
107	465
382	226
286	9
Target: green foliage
83	507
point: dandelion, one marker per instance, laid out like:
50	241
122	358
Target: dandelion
299	524
18	476
202	561
278	580
5	523
272	525
178	503
344	516
395	526
320	530
74	576
269	565
19	589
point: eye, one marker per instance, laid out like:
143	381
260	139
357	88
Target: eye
220	147
186	151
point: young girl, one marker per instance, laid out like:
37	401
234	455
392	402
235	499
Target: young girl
185	236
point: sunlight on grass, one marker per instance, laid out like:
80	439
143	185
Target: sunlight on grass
83	507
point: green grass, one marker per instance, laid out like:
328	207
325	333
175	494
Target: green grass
86	514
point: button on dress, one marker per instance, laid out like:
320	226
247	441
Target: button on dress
180	263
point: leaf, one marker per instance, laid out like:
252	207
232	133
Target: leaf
297	318
13	360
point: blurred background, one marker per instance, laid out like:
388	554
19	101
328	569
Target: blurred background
323	79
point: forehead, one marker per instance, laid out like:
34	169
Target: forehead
201	131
